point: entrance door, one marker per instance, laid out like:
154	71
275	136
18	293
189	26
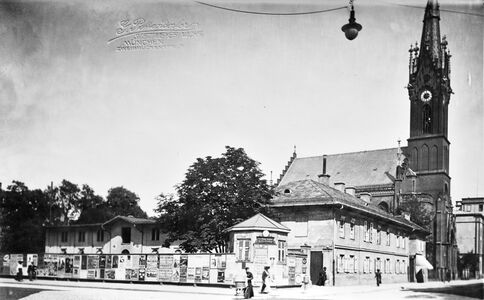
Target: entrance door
316	265
411	269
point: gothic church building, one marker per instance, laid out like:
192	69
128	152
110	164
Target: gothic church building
388	177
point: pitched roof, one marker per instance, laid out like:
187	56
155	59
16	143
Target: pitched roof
259	222
374	167
308	192
132	220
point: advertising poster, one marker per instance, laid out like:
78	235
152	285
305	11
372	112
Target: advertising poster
91	274
69	260
218	261
15	260
77	261
142	261
131	274
190	274
205	274
183	268
198	274
110	274
141	274
101	273
220	276
90	262
122	261
134	262
151	275
109	260
32	258
61	266
292	274
166	268
102	262
152	261
84	262
75	272
120	274
115	260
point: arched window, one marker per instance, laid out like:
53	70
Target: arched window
424	162
125	252
383	206
414	159
427	119
434	158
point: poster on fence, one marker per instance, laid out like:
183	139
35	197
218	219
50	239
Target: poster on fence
84	262
152	261
109	260
142	261
166	268
134	261
131	274
102	262
183	268
151	275
75	273
123	261
77	261
115	261
32	258
110	274
141	274
190	274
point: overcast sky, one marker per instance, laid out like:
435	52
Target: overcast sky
73	106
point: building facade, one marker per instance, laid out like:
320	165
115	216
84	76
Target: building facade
469	223
349	236
120	235
388	177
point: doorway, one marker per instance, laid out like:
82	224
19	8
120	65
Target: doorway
316	265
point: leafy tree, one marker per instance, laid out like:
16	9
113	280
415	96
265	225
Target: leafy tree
68	199
216	194
23	213
93	207
122	201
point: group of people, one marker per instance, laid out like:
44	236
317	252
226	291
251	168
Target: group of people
323	277
249	289
31	272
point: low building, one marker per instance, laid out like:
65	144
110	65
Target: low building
120	235
469	222
349	236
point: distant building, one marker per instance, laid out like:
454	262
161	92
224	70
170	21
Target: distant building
350	236
120	235
388	177
469	223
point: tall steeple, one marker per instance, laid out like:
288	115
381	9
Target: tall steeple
430	42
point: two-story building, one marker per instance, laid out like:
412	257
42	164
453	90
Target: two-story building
349	236
120	235
469	223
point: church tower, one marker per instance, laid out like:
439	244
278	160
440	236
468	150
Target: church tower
428	146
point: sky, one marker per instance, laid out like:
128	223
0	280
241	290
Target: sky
79	101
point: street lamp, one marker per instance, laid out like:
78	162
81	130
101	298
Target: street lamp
352	28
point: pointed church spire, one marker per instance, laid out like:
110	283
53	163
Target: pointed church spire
430	44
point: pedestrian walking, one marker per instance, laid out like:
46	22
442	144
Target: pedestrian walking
448	275
249	289
378	277
19	276
31	271
322	277
265	279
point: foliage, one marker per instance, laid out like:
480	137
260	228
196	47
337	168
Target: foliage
121	201
23	213
420	211
216	194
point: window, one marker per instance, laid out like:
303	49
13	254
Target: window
397	266
341	263
387	266
367	232
100	235
371	232
64	237
403	242
366	265
243	250
126	234
378	237
427	119
404	267
155	234
481	207
398	241
388	237
342	229
378	264
421	245
352	231
281	249
81	236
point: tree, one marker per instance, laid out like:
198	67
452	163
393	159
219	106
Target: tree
216	194
68	200
23	213
93	207
122	201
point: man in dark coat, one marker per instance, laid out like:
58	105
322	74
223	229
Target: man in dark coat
322	276
378	277
249	290
265	275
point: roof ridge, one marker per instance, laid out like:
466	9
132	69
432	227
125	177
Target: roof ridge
316	184
352	152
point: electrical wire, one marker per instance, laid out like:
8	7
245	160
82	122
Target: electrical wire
270	13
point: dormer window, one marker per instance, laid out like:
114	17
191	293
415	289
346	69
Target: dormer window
287	191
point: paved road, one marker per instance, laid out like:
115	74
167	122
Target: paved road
63	290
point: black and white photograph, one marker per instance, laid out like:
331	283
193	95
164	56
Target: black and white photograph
230	149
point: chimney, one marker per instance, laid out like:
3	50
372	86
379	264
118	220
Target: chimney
340	186
365	197
350	190
324	178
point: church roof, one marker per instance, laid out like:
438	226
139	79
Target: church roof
259	222
308	192
373	167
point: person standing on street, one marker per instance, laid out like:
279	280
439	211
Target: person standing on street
249	290
265	276
378	277
322	277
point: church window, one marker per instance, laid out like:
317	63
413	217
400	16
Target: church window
434	158
425	158
415	158
427	119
